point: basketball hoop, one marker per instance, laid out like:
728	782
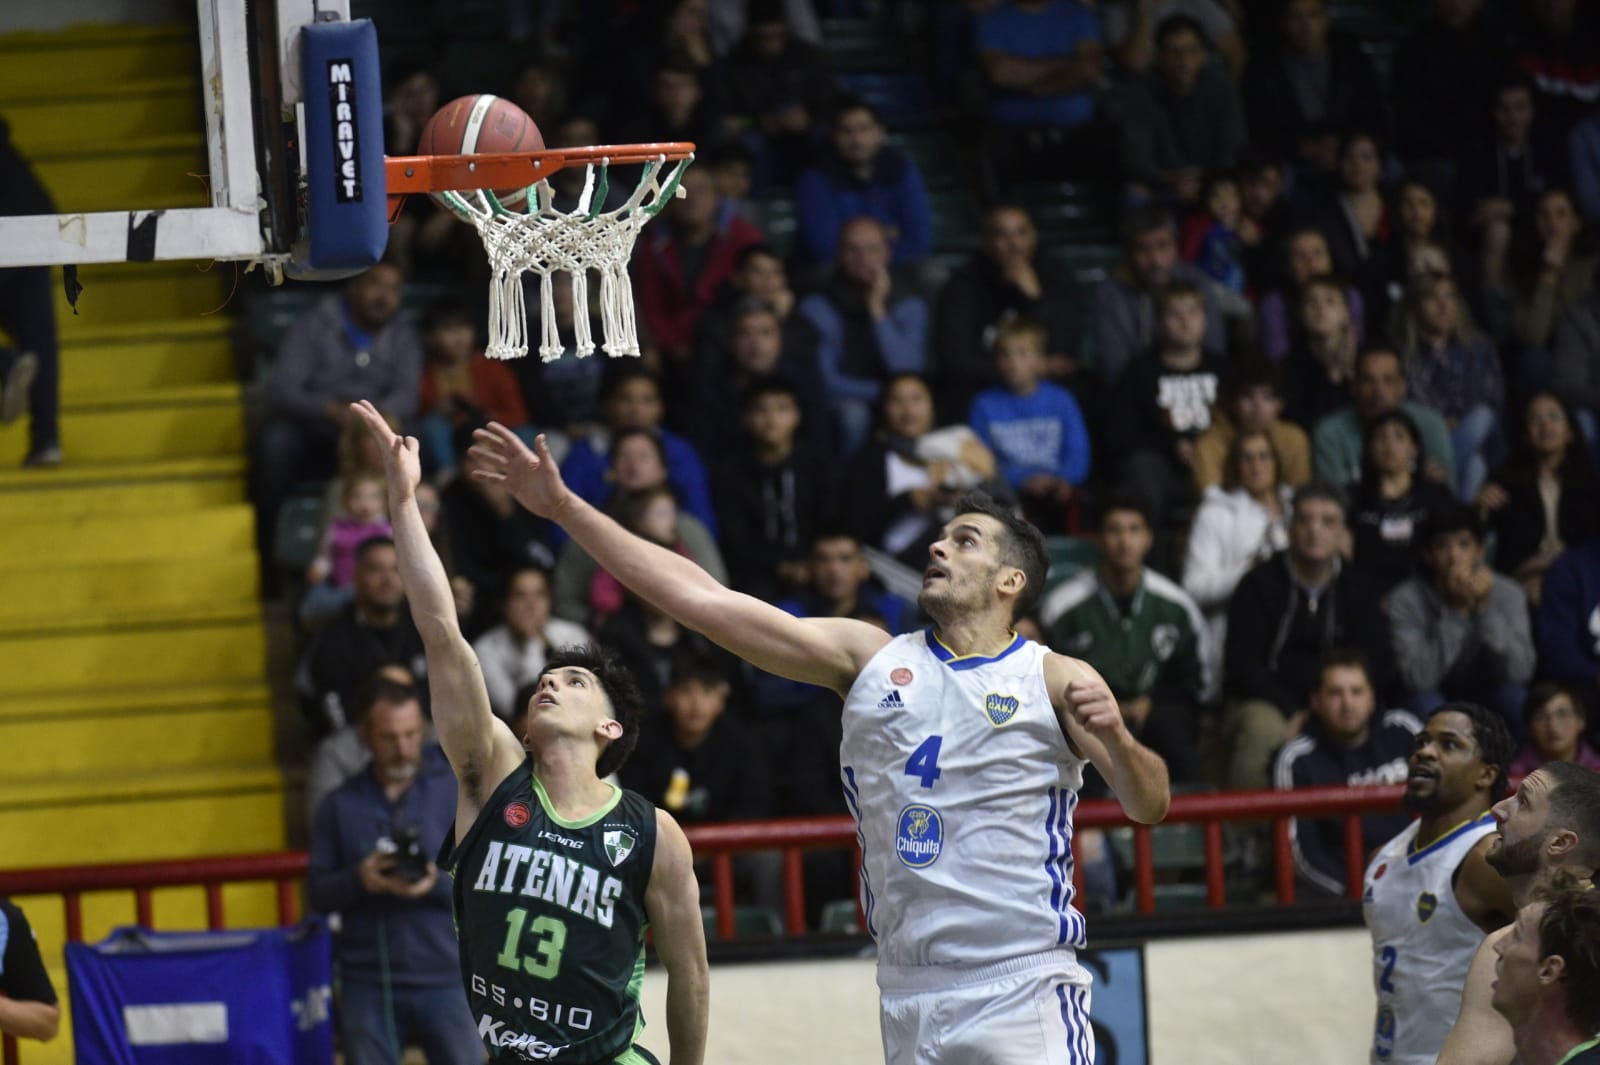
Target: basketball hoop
545	239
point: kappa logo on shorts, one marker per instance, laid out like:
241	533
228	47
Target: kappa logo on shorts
920	836
517	814
1000	709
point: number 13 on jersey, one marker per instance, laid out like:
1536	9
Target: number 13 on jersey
924	761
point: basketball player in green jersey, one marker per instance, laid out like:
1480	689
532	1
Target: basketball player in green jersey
557	873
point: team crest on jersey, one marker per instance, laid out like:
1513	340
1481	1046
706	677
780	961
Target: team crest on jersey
517	814
619	844
1427	903
1000	708
920	836
1163	641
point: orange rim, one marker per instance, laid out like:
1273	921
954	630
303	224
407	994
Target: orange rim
410	174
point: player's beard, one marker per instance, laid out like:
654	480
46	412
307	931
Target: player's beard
1516	859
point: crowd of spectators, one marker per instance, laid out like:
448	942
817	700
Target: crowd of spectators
1326	429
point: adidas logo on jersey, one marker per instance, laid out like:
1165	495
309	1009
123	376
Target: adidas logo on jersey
891	701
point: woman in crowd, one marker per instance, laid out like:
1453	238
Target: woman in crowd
1394	502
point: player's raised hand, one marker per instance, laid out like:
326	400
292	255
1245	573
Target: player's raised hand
1094	708
530	476
402	464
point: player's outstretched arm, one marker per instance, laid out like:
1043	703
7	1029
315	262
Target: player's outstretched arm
825	651
480	747
1481	1035
1092	721
672	902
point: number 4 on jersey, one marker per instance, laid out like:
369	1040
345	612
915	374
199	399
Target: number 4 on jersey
924	761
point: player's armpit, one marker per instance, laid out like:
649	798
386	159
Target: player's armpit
1480	1036
1092	722
1483	894
672	902
479	746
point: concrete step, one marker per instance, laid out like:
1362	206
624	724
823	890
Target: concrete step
154	424
122	480
37	594
155	729
33	62
224	645
133	173
121	295
101	112
68	820
55	504
134	357
214	532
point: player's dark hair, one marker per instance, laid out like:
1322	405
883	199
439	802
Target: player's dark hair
371	544
1177	23
1541	693
382	688
1021	545
1454	519
622	436
1495	746
1570	927
1125	501
848	104
770	385
616	680
1575	805
1147	219
1317	491
1343	658
444	312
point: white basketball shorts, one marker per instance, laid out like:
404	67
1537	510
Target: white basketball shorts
1032	1010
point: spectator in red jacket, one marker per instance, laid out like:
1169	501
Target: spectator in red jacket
461	386
679	265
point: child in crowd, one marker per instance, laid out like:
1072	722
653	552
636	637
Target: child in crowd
1556	719
460	386
1211	238
1034	427
363	515
648	512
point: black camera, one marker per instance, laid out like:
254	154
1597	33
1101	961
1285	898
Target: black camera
410	860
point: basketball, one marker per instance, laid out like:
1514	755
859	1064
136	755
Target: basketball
477	125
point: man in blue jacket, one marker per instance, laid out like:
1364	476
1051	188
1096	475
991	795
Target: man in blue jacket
859	178
399	971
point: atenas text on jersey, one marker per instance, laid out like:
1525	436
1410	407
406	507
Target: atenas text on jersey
552	877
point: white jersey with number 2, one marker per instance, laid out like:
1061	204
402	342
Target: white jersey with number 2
1422	941
963	787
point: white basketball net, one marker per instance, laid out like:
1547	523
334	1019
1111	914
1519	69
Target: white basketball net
546	240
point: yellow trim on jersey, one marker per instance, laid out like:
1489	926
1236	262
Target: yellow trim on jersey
1010	645
1414	853
550	807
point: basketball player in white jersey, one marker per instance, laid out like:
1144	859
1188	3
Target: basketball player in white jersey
1550	825
963	750
1431	894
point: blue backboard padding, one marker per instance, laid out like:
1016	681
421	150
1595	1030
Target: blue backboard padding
347	211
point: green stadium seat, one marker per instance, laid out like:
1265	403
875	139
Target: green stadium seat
294	542
840	916
748	921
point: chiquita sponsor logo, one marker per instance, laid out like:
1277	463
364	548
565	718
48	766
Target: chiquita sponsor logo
920	836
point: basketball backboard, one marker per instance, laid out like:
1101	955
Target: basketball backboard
253	97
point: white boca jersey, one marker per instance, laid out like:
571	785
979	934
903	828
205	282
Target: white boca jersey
1422	942
963	787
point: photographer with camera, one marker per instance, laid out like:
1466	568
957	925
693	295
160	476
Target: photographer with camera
399	975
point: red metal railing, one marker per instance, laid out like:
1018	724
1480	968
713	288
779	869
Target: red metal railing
792	837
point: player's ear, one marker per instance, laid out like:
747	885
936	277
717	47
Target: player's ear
1012	580
610	728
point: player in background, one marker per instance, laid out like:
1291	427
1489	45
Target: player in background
557	873
1547	977
1430	891
964	746
1551	825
